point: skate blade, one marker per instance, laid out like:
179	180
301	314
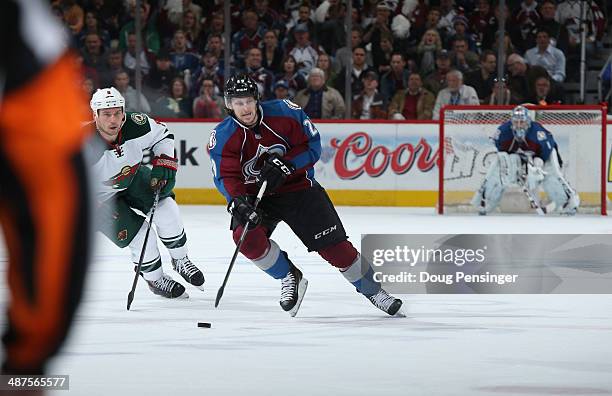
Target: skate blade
303	285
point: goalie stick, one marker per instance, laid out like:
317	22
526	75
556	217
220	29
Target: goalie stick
262	189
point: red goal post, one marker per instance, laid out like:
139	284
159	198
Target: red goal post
466	150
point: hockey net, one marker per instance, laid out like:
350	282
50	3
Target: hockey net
468	149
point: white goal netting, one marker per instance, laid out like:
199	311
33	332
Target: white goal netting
467	131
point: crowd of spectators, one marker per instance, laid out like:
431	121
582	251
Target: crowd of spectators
407	57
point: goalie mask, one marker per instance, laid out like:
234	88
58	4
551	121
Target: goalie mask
520	121
106	98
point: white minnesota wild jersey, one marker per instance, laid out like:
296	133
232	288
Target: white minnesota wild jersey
115	165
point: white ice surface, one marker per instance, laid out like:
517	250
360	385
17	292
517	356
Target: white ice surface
339	344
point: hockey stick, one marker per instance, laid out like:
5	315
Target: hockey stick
532	201
262	189
144	246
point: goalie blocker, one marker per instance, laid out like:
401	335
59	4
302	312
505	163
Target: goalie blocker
527	156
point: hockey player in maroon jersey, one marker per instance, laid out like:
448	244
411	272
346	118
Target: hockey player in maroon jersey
276	142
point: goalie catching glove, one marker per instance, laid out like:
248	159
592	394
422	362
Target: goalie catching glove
243	211
164	173
275	171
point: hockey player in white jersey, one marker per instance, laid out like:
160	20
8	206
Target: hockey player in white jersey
527	156
124	138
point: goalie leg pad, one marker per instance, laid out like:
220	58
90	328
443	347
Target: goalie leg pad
559	191
504	171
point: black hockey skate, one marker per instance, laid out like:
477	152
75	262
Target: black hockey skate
189	271
386	302
293	288
167	287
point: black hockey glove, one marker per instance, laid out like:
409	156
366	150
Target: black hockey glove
243	210
275	171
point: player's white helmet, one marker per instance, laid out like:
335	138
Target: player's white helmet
520	121
106	98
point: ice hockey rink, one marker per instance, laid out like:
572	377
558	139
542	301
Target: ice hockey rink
339	344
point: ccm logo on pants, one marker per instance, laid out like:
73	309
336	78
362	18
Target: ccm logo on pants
325	232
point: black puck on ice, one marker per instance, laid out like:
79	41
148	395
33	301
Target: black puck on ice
204	324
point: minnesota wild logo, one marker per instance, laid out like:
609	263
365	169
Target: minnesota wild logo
122	179
139	118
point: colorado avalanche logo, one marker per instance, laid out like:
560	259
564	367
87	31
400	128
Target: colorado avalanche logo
250	169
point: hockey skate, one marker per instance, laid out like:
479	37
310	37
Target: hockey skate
385	302
293	288
189	272
167	287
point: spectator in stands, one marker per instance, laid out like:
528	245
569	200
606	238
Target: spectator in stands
460	25
447	15
432	21
543	93
430	44
507	96
380	26
149	32
559	36
87	71
395	79
383	60
210	69
174	104
357	73
249	36
93	26
456	93
413	103
214	45
114	63
369	104
329	19
208	104
324	63
258	73
318	100
547	56
129	57
268	17
508	46
93	54
281	90
122	83
304	12
294	80
180	57
435	81
189	6
213	28
304	54
483	24
108	15
482	79
88	87
161	75
462	58
192	30
73	15
526	18
522	76
271	52
344	54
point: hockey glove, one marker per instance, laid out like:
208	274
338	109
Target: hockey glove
275	171
164	171
243	211
535	174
